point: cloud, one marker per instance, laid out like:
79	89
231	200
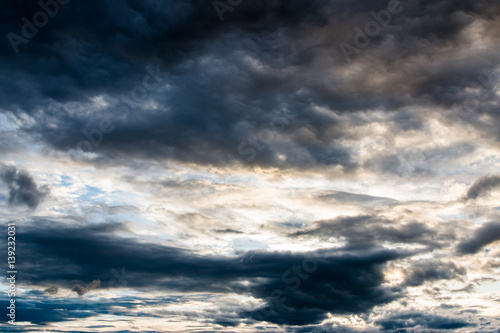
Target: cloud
22	188
227	231
411	320
360	199
350	284
297	288
484	235
404	123
483	186
42	310
195	117
341	283
52	290
83	290
365	231
432	270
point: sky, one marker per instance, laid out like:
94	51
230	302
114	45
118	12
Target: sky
250	165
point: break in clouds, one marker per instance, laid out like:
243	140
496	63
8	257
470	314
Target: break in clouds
241	166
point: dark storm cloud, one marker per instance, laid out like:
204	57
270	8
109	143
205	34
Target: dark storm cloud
341	285
122	38
367	231
410	320
183	129
483	186
484	235
340	282
217	98
22	188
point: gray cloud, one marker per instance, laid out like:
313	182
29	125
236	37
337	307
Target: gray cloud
432	270
202	119
366	231
411	320
22	188
483	186
358	199
484	235
52	290
227	231
83	290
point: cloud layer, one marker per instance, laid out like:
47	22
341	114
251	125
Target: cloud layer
237	166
